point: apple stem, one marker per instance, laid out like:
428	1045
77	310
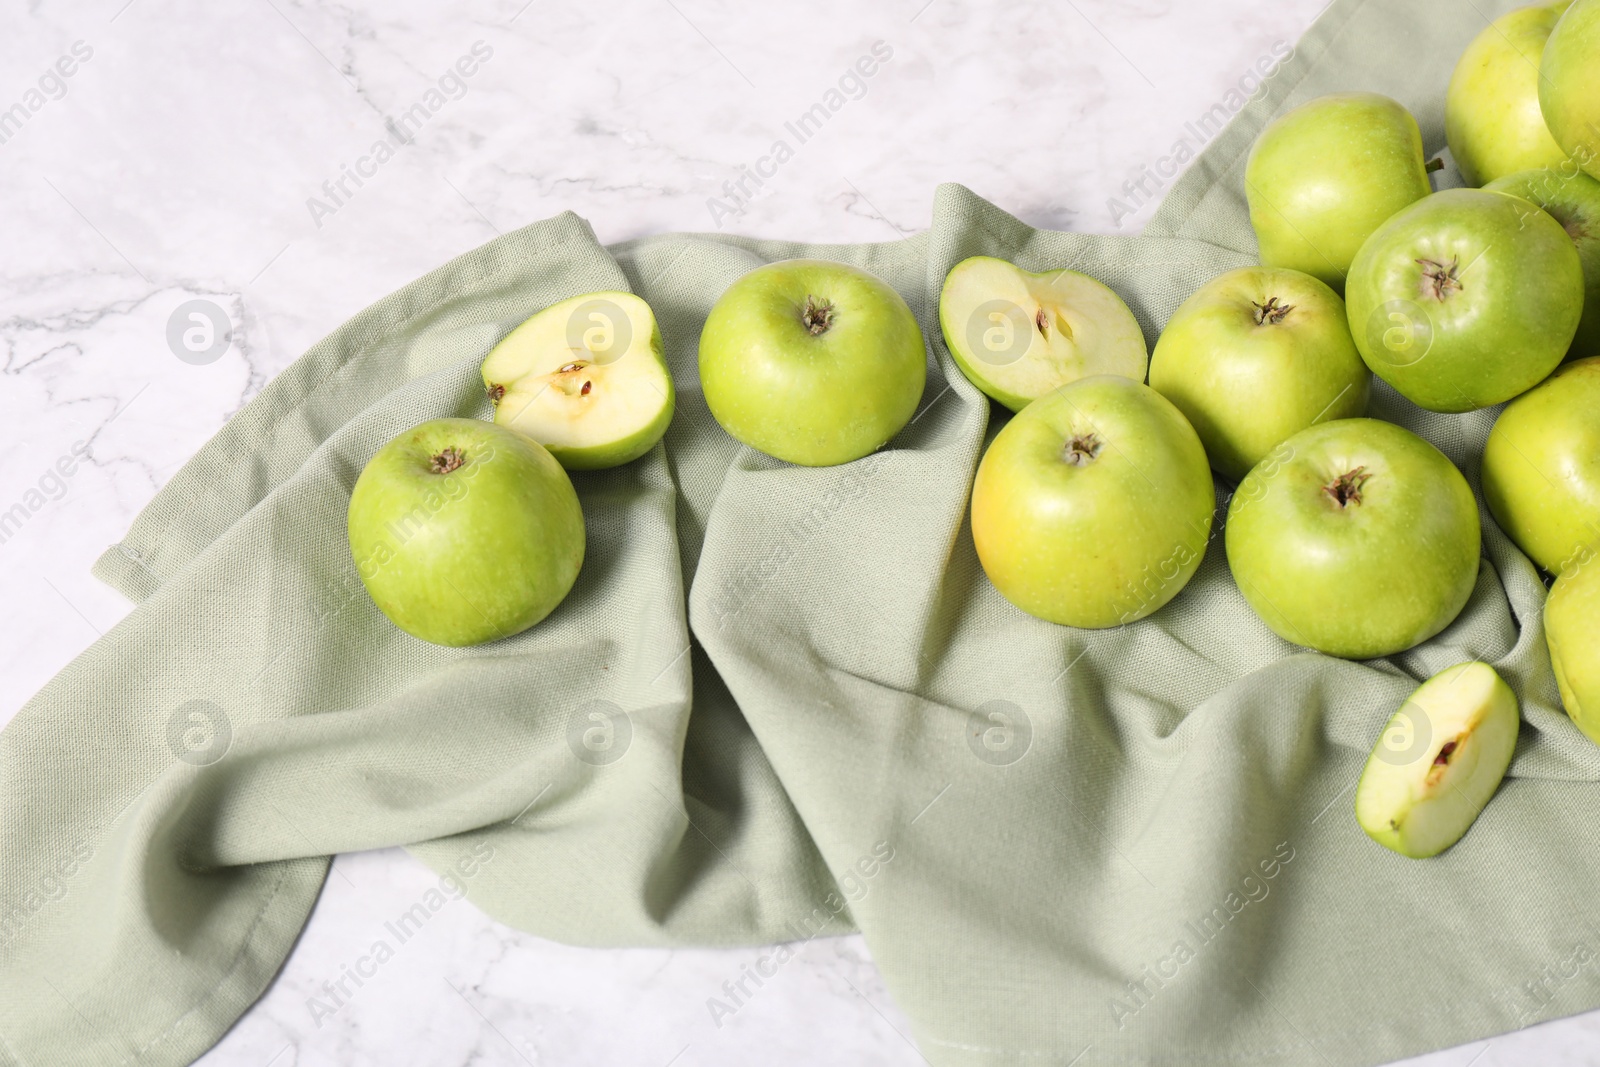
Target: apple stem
1082	449
1436	163
1346	489
447	460
1272	312
817	315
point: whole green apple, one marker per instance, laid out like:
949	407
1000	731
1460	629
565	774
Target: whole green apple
1569	84
1322	177
1572	198
585	377
1465	299
1491	112
1356	538
465	532
1255	356
1438	761
1018	335
811	361
1092	507
1541	467
1572	630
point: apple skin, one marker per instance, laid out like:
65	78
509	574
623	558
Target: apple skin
1093	506
1373	576
1255	356
1569	84
1572	630
812	399
1465	299
1541	467
1323	176
470	554
1572	198
1491	111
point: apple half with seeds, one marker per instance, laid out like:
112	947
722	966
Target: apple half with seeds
1438	761
1018	335
586	378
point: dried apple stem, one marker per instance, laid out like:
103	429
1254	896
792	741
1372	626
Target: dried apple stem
447	460
1346	489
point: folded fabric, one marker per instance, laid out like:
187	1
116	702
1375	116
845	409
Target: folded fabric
760	714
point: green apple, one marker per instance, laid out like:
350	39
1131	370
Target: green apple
1092	507
1572	630
1541	467
1018	335
1569	84
1356	538
1572	198
586	379
1438	761
1491	112
1255	356
1465	299
1322	177
811	361
465	532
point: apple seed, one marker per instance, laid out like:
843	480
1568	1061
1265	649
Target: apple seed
1440	763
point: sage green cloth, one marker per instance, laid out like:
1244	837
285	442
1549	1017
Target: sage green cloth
782	702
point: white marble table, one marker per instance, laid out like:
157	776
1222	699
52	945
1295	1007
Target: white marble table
185	158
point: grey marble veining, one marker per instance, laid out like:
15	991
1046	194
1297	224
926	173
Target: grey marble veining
230	153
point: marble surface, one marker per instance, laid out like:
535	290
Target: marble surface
196	152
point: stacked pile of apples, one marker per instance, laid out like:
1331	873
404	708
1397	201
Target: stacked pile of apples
1094	505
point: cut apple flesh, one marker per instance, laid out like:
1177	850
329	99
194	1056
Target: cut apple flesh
1439	760
585	378
1018	335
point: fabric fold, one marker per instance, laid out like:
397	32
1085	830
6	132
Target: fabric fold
784	702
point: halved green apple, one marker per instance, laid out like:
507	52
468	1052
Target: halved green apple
585	378
1438	761
1018	335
